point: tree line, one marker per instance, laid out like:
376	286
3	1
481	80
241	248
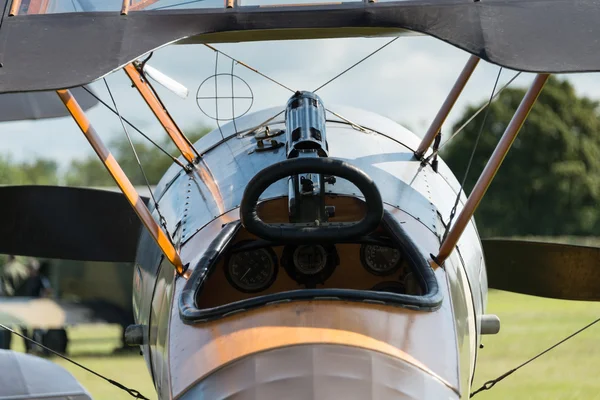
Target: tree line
549	183
90	171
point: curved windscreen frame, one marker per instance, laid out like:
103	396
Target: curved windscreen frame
431	300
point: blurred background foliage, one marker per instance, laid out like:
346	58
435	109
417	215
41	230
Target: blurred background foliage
549	183
90	171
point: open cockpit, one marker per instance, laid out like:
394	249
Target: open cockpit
241	271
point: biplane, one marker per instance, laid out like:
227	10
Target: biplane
304	251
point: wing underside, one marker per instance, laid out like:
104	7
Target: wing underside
39	52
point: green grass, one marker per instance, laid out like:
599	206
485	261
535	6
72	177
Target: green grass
529	325
93	346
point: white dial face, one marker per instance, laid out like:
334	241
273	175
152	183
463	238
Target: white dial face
381	260
310	259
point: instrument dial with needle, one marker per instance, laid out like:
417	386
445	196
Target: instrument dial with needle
309	265
380	260
252	271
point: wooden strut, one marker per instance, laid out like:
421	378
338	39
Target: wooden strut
14	8
491	168
31	7
442	114
121	179
140	5
161	114
125	7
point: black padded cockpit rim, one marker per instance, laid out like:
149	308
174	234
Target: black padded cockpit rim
430	301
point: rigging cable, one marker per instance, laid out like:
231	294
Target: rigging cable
175	160
356	63
357	126
134	393
163	221
293	91
490	384
141	70
460	129
147	81
217	94
233	98
462	184
243	64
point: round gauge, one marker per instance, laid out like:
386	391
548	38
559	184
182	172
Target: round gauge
310	259
309	265
253	270
380	260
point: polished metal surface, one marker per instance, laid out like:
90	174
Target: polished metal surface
196	349
305	125
196	205
275	115
321	371
401	179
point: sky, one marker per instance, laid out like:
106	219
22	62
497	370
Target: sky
407	82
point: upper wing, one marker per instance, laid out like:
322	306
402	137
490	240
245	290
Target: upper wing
40	52
39	105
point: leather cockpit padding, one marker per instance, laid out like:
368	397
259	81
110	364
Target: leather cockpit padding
431	300
311	233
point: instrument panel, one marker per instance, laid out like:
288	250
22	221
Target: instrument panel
252	271
246	271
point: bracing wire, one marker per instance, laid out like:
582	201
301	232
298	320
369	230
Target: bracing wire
163	105
243	64
232	98
217	51
491	383
462	184
134	393
217	93
162	219
357	63
175	160
467	122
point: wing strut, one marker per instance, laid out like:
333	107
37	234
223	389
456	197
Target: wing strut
491	167
442	114
14	8
121	179
146	91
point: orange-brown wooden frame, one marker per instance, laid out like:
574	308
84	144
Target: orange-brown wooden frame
145	90
121	179
491	168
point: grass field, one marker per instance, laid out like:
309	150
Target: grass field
529	325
